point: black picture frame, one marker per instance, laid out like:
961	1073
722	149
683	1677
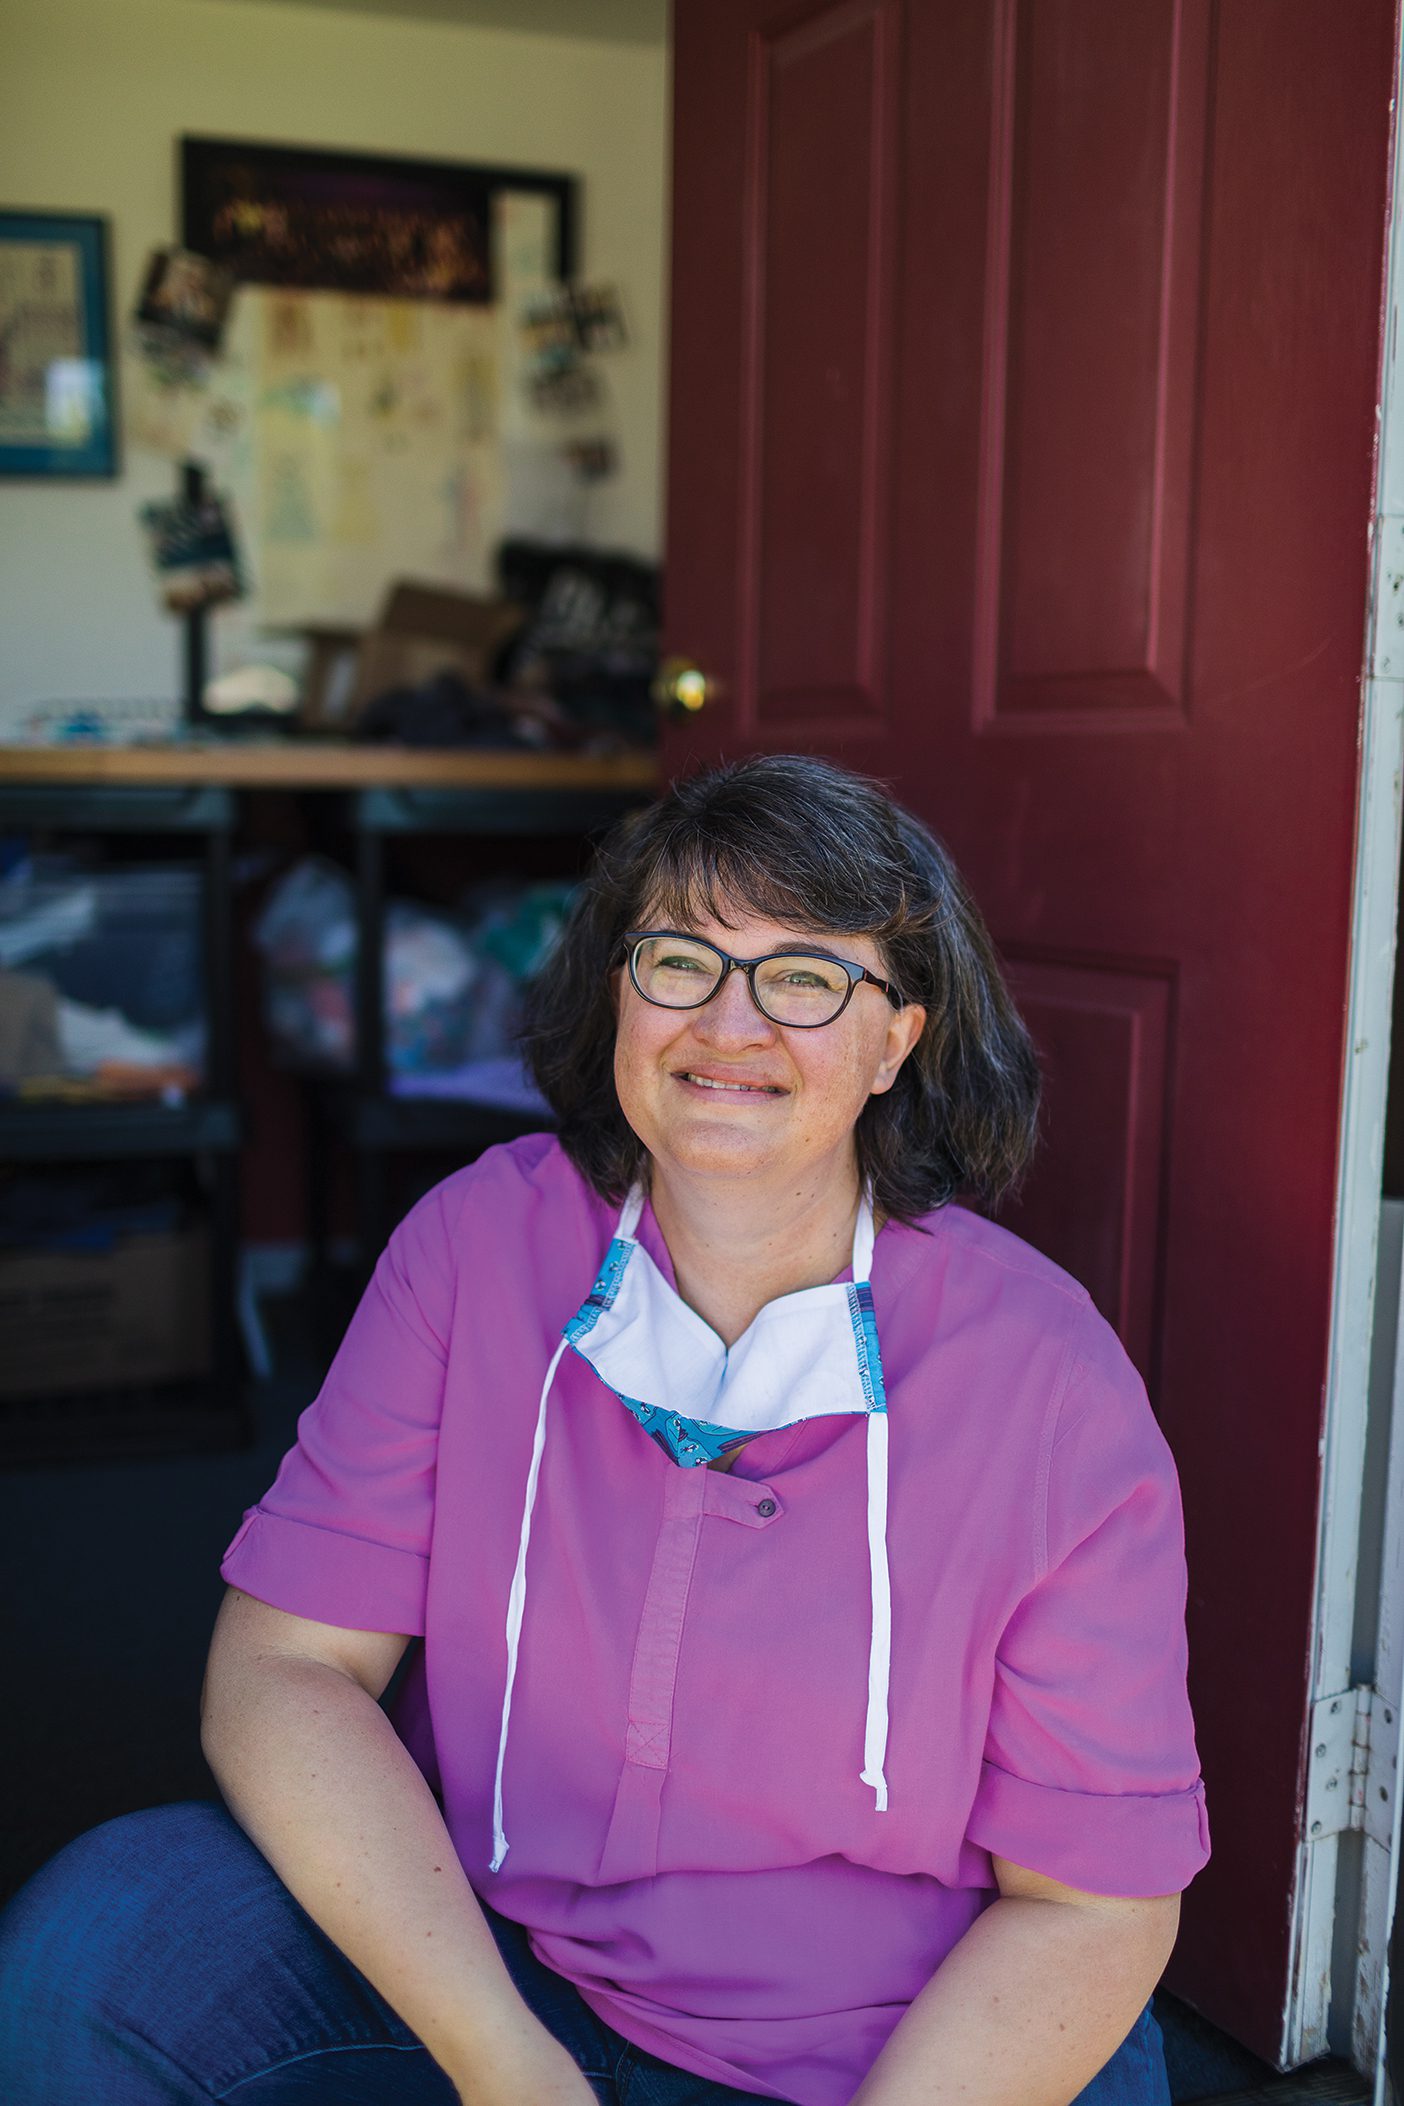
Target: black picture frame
372	225
58	383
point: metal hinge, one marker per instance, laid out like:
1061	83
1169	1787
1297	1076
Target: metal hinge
1352	1766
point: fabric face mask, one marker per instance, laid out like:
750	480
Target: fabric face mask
811	1354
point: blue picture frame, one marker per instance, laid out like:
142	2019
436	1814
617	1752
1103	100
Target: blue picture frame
58	406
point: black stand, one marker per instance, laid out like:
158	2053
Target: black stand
197	632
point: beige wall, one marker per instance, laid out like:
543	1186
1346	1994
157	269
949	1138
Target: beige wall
93	95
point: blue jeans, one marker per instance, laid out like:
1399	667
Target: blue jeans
159	1961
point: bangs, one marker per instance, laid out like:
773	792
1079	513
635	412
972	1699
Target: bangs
695	877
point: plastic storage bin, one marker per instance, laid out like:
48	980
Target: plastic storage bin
101	980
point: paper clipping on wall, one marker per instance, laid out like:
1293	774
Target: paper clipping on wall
366	440
374	449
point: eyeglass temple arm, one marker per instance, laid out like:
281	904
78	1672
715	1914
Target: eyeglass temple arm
887	988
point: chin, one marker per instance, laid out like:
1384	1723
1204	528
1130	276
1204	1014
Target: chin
713	1154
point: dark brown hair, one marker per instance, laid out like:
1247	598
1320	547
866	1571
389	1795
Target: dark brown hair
808	844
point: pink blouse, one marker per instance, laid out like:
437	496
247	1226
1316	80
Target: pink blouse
691	1844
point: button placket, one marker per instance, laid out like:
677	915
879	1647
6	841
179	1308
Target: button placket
654	1675
631	1845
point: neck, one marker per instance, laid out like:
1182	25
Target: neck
733	1249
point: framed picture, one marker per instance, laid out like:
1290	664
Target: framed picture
57	384
354	223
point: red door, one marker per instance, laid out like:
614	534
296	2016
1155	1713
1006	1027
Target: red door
1024	378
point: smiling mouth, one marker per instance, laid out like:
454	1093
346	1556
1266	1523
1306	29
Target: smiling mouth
747	1089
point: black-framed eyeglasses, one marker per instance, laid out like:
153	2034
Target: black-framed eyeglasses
802	989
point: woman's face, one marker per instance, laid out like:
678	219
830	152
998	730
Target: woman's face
722	1091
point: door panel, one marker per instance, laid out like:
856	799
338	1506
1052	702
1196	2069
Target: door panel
1103	1033
820	183
1098	121
1024	377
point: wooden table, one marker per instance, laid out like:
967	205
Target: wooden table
324	764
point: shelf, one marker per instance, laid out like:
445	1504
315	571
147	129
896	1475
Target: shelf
385	1124
150	1419
157	808
504	810
39	1133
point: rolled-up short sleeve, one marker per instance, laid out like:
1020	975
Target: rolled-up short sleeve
343	1535
1090	1774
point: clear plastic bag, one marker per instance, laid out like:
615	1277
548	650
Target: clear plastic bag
453	981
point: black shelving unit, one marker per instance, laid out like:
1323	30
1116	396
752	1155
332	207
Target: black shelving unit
206	1129
363	1114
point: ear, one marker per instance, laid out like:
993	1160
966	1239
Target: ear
904	1028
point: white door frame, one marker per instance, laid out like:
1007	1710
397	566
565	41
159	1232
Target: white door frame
1360	1175
1381	1842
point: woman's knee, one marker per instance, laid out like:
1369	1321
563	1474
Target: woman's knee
94	1903
107	1957
126	1857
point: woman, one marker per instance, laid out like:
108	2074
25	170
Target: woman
801	1711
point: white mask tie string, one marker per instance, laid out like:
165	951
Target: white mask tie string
880	1641
863	1238
516	1609
880	1644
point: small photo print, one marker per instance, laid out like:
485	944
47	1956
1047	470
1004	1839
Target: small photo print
563	390
559	326
184	300
599	318
591	460
193	553
548	331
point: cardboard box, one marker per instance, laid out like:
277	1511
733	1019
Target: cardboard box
329	677
91	1320
422	630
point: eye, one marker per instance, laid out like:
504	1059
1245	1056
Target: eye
799	973
681	962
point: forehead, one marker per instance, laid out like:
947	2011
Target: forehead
746	932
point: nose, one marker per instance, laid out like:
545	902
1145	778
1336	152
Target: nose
731	1018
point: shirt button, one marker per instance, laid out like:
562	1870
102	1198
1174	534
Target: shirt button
765	1508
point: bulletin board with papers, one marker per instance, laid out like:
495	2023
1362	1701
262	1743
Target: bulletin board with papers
377	433
359	440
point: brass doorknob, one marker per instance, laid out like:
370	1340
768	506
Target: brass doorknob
682	688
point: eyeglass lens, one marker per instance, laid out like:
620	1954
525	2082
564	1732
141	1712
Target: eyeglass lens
679	973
